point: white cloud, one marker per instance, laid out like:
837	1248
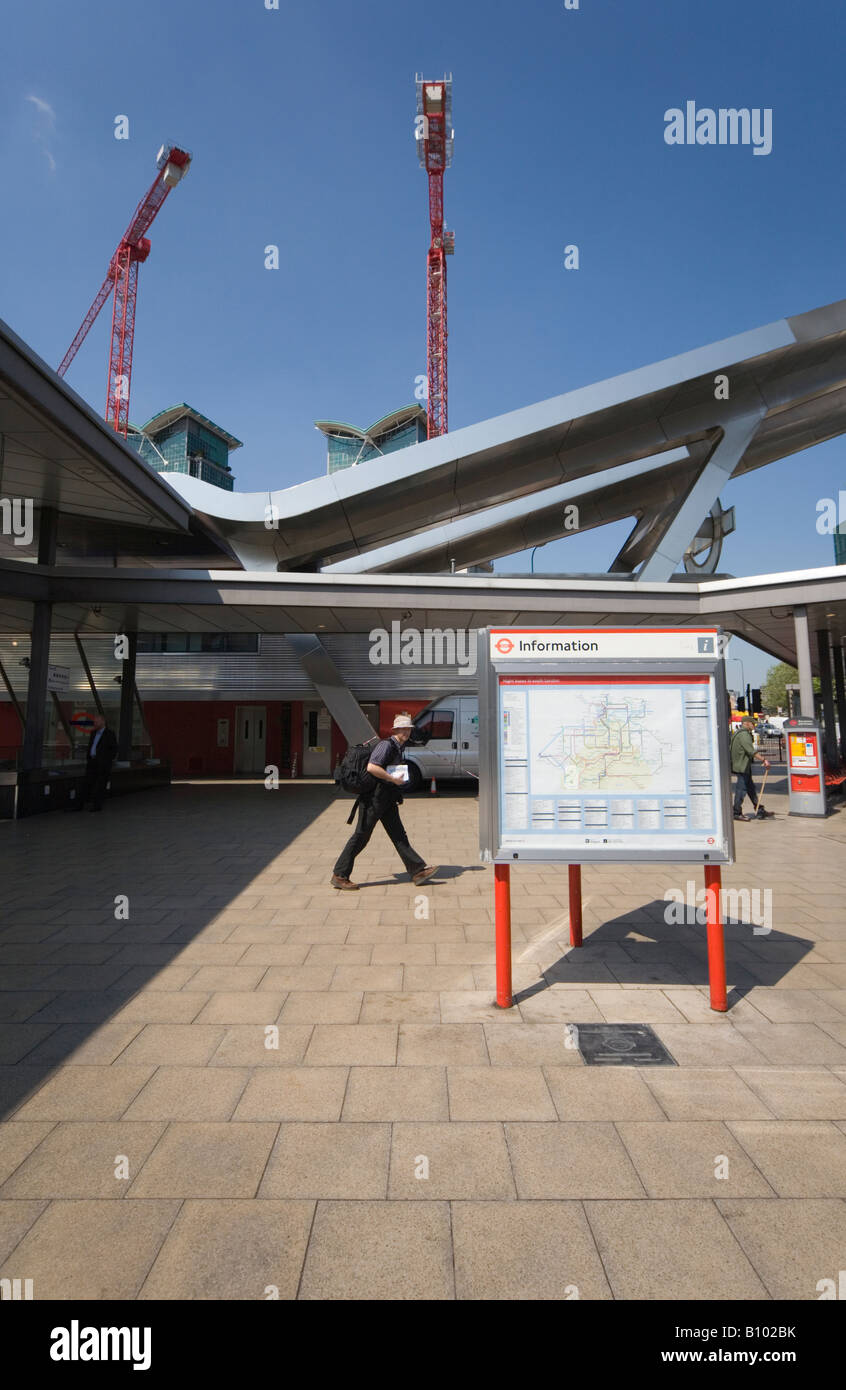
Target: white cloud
43	125
43	106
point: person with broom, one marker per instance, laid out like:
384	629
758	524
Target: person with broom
743	755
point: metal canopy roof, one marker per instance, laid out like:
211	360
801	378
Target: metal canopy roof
57	451
90	601
792	371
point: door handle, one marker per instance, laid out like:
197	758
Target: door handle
455	745
465	745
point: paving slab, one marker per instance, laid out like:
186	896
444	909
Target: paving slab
323	1006
703	1093
84	1160
453	1160
189	1093
525	1251
597	1093
85	1093
294	1093
379	1250
425	1045
91	1249
206	1160
329	1161
531	1044
230	1250
363	1044
396	1093
675	1251
793	1244
18	1138
576	1160
799	1158
499	1093
793	1094
16	1218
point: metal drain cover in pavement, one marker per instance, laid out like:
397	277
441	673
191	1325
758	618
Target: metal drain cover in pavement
621	1044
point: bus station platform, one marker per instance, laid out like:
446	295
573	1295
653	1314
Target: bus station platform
220	1079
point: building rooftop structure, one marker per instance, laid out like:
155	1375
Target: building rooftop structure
349	446
182	440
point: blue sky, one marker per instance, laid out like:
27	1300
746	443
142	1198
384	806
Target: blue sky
300	121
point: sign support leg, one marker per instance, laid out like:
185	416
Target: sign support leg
575	873
716	939
502	916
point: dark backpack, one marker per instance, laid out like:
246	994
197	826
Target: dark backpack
353	776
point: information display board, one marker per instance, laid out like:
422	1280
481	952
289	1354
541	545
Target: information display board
604	744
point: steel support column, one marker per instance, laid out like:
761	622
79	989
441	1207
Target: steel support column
87	669
700	497
829	733
803	661
837	656
32	752
127	699
329	684
36	690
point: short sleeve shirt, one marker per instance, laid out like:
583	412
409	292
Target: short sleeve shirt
386	753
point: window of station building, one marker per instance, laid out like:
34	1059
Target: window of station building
436	723
155	642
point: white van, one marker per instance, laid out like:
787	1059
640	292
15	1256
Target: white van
445	742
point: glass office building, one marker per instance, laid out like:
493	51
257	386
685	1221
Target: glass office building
349	446
181	440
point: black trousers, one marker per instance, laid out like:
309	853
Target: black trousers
368	818
94	787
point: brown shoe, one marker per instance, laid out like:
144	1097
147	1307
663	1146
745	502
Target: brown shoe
426	873
342	882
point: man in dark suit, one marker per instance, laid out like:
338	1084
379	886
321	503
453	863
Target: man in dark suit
102	747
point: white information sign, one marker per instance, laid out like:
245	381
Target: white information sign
605	744
627	764
58	679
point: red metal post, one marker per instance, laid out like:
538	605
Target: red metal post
575	871
502	917
716	939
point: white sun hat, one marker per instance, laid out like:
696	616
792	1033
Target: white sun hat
402	721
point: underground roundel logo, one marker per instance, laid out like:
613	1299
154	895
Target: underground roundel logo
504	645
711	840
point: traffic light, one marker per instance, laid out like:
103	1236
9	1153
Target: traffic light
741	703
756	702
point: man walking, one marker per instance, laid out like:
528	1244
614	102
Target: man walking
102	747
743	755
380	804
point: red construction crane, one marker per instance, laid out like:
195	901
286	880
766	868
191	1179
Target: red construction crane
434	135
122	283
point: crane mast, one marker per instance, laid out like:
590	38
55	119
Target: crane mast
122	283
435	136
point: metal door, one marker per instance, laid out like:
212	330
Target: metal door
317	741
250	738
